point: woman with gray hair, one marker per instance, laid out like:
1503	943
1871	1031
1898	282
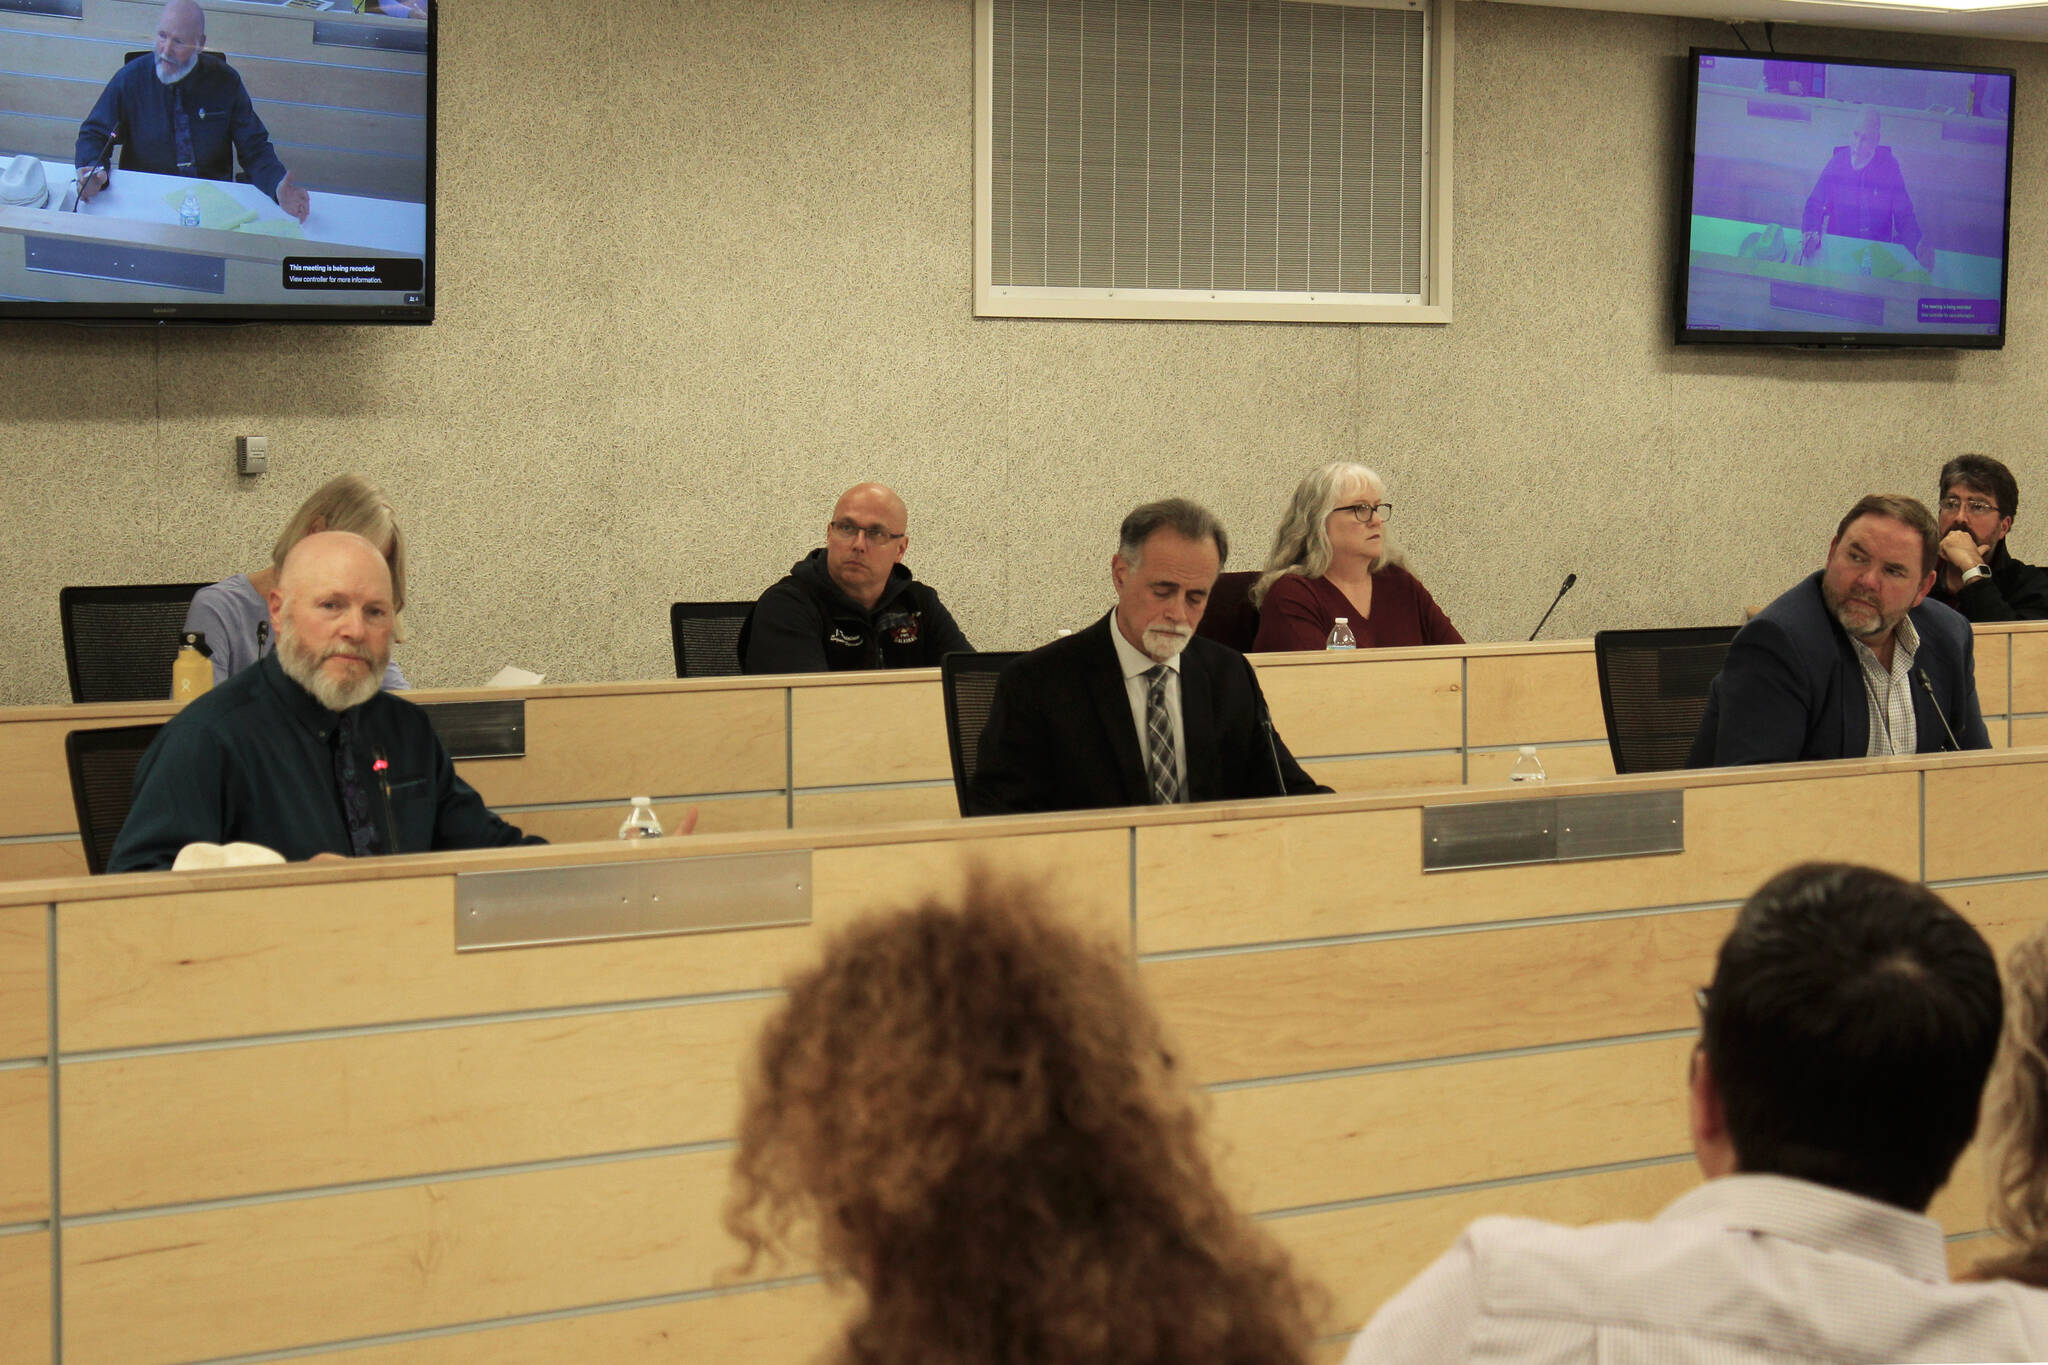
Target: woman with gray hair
1330	559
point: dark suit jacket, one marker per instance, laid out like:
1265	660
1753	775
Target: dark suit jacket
1791	688
1060	734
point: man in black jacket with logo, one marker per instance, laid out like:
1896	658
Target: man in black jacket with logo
851	604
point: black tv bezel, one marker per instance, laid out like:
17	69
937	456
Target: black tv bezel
1833	340
156	313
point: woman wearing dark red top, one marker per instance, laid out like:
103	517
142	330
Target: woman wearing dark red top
1330	559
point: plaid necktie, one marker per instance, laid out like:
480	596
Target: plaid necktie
1160	764
355	801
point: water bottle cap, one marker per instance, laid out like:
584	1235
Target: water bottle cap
1528	751
1343	620
642	800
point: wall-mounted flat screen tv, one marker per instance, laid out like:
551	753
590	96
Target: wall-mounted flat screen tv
239	161
1831	202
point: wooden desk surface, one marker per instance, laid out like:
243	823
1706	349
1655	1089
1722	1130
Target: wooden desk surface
289	1116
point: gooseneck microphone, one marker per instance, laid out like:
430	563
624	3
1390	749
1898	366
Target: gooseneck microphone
1927	686
1569	579
1272	747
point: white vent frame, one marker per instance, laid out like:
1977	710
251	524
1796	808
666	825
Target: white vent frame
1431	306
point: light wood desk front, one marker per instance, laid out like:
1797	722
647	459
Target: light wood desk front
289	1116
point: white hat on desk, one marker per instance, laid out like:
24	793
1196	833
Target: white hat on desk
21	183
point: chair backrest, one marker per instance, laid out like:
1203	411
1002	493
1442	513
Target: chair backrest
102	764
120	642
707	637
1231	619
969	684
1653	691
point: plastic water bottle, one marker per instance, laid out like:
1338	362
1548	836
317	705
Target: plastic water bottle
640	822
192	670
1341	636
1528	767
188	212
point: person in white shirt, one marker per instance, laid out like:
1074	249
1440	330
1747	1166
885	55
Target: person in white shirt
1843	1049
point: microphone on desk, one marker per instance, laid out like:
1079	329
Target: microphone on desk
1272	747
1927	686
1569	579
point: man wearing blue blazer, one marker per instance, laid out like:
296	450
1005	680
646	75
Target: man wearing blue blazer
1853	662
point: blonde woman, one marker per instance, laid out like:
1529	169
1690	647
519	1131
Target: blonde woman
234	614
1330	558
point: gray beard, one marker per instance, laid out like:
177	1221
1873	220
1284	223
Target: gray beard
1158	640
302	668
190	67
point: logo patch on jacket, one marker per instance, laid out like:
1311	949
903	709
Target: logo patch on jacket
844	639
901	626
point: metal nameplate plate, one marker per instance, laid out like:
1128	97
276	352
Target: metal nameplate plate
124	264
480	729
640	898
1557	830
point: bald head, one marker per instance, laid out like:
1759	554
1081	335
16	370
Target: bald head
333	611
866	539
327	555
180	34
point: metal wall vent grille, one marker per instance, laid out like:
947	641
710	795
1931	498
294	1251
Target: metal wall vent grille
1249	146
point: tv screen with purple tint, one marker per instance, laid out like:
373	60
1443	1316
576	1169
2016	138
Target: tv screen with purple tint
1845	203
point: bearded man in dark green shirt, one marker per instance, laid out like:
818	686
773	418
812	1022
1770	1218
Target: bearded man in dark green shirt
305	753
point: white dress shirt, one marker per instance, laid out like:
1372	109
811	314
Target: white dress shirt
1744	1270
1136	663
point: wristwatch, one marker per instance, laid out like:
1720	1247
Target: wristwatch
1977	574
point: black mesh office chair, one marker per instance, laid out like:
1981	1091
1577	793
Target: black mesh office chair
102	764
1653	691
968	682
119	642
707	637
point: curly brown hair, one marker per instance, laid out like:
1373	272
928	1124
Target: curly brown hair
2017	1125
977	1114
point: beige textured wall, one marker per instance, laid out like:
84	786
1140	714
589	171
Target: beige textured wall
704	264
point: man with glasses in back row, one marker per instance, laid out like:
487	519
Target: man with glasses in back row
851	604
1979	577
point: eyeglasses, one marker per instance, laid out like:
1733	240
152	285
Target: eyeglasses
1975	507
1366	511
877	536
1699	997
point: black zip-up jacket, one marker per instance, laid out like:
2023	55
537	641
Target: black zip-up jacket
2014	592
805	624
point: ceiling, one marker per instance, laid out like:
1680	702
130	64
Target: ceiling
2027	22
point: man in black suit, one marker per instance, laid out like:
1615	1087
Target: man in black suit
1136	709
